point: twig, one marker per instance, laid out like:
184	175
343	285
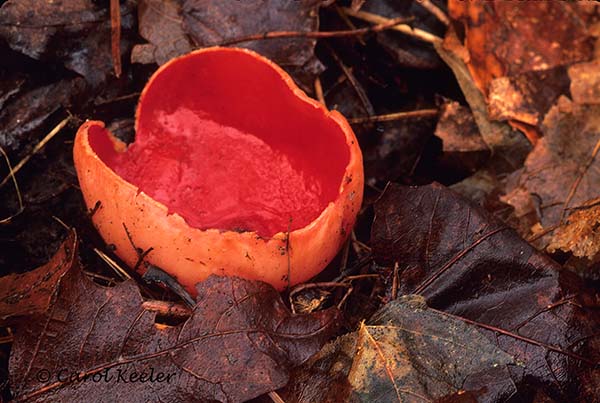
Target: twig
405	29
395	281
360	91
115	35
113	265
6	339
542	233
319	91
166	308
387	24
275	397
12	175
349	23
578	180
422	113
435	11
521	338
37	148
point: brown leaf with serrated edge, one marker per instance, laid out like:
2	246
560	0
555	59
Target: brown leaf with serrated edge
561	171
407	352
99	344
31	292
466	263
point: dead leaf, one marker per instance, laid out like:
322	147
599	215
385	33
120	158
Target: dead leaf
560	172
509	147
407	353
464	262
31	292
26	112
504	39
75	33
464	149
99	344
175	27
580	234
160	23
406	51
526	97
585	82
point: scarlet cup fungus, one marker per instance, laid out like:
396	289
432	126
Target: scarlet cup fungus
234	171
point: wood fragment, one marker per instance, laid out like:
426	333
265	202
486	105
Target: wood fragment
115	36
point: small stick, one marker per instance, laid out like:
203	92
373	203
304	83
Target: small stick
113	265
12	175
360	91
387	24
435	11
37	148
319	91
422	113
166	308
349	23
115	35
578	180
405	29
395	281
275	397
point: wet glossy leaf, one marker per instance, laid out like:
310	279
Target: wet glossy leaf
97	344
468	264
31	292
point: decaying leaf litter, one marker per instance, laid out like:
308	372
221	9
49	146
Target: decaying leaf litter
481	288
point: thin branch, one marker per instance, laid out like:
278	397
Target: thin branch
358	88
115	36
422	113
37	148
387	24
19	198
435	11
578	180
405	29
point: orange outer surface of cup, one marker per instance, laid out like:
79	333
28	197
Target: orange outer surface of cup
191	254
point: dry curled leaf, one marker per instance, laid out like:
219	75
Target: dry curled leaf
31	292
98	344
464	262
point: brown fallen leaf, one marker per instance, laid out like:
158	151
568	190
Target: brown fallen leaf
580	234
468	264
585	82
31	292
75	33
464	149
98	344
504	39
407	353
526	97
562	170
175	27
160	23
